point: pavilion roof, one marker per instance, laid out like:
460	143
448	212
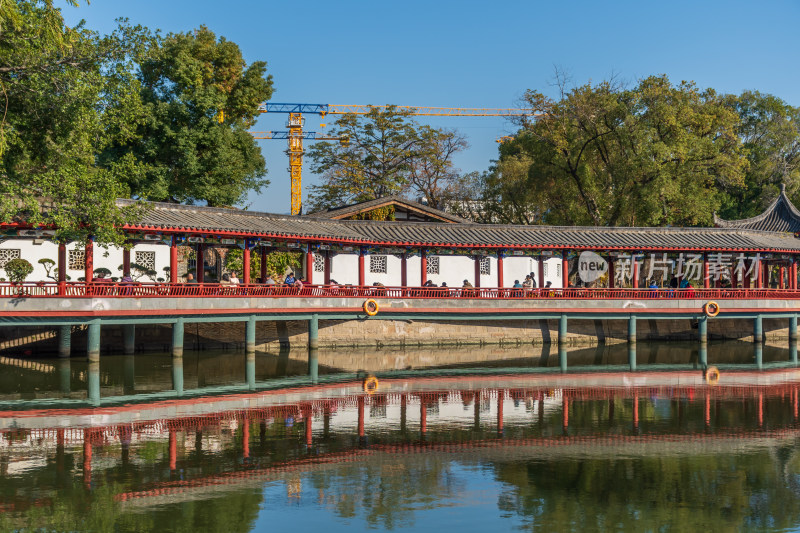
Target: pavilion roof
174	218
417	208
780	216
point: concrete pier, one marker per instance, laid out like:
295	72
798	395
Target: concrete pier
128	339
93	383
64	376
250	335
759	355
703	355
177	338
93	341
702	329
313	364
64	341
313	332
177	375
632	356
632	329
250	370
758	330
793	328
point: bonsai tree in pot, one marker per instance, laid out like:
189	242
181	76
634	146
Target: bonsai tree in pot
17	270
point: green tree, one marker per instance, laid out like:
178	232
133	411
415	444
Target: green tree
770	133
192	145
656	154
68	93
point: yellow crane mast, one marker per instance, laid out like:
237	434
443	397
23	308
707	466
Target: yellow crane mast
295	135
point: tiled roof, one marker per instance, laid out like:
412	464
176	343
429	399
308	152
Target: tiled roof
214	221
781	216
369	205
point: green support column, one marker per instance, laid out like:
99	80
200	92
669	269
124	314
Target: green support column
793	351
702	329
64	376
93	382
758	332
129	374
632	356
313	332
632	329
128	339
793	328
759	355
177	375
562	342
250	335
65	341
250	370
313	364
177	338
93	341
703	355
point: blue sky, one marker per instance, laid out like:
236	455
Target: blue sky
475	54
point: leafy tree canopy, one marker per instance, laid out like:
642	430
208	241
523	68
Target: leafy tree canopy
387	153
68	93
656	154
199	98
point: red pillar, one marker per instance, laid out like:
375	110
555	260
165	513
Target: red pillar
246	437
200	270
635	272
173	260
760	276
477	261
706	280
307	418
500	269
793	280
126	262
404	270
327	267
564	270
423	266
87	458
263	265
173	449
361	416
88	271
361	273
309	266
246	274
611	273
423	415
62	269
500	394
781	277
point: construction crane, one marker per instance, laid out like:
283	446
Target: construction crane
295	135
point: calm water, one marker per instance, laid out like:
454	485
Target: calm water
474	440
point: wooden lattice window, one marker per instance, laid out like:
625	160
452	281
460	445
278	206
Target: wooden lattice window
146	260
7	254
485	266
377	264
433	265
76	259
319	263
558	270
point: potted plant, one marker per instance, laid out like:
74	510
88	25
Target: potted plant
17	270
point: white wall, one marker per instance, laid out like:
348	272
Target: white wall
453	270
392	278
344	269
516	268
553	271
413	271
109	258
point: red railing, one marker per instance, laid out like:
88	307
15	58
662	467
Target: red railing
82	289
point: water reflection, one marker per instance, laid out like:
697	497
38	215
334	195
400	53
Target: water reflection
643	451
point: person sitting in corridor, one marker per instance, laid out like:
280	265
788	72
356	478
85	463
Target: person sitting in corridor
290	279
